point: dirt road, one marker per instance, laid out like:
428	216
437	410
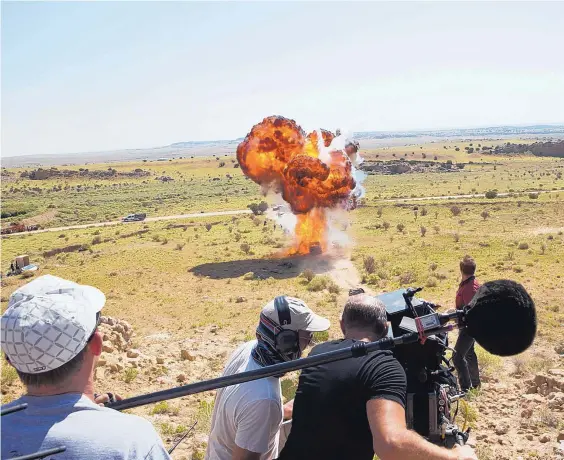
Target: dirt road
246	211
476	195
148	219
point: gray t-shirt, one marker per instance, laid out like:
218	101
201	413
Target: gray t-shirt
87	430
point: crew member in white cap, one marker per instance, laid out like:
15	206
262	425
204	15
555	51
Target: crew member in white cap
49	334
247	417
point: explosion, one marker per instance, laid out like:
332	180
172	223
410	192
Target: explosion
306	170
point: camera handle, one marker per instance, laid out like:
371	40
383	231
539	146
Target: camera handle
407	296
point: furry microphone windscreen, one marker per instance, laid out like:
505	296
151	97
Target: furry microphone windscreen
502	318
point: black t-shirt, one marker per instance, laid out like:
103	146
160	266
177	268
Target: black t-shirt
329	419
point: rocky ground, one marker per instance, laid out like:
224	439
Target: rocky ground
132	365
520	415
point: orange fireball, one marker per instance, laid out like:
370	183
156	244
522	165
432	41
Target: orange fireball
277	154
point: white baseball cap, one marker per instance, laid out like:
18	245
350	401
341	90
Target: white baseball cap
301	316
48	322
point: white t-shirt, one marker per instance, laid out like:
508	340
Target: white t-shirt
248	414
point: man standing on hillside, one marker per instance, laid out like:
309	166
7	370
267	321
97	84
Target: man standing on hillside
464	358
247	417
50	335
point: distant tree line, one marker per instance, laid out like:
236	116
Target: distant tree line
540	149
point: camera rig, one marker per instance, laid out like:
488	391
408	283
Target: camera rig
433	394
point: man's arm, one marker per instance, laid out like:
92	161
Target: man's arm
288	409
244	454
257	427
393	441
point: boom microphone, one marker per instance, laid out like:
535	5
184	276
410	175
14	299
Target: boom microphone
502	318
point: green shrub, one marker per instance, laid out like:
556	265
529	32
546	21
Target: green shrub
161	407
318	283
491	194
249	276
307	274
9	373
130	374
431	282
204	415
320	337
407	277
288	387
168	429
489	364
369	264
333	288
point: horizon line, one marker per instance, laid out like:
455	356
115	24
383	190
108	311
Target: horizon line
416	130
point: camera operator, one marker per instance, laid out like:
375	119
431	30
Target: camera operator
50	336
247	417
355	408
464	358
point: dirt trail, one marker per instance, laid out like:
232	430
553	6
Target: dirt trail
545	230
148	219
345	274
475	195
246	211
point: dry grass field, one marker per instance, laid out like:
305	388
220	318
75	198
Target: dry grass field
198	284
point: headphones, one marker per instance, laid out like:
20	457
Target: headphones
284	341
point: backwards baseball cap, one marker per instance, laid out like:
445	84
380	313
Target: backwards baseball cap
301	317
48	322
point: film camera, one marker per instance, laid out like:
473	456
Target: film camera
432	389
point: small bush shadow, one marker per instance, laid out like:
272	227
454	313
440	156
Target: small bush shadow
278	268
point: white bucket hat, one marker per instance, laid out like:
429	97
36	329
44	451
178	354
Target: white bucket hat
48	322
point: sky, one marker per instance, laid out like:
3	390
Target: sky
96	76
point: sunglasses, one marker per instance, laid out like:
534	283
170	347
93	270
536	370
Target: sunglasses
98	321
305	338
